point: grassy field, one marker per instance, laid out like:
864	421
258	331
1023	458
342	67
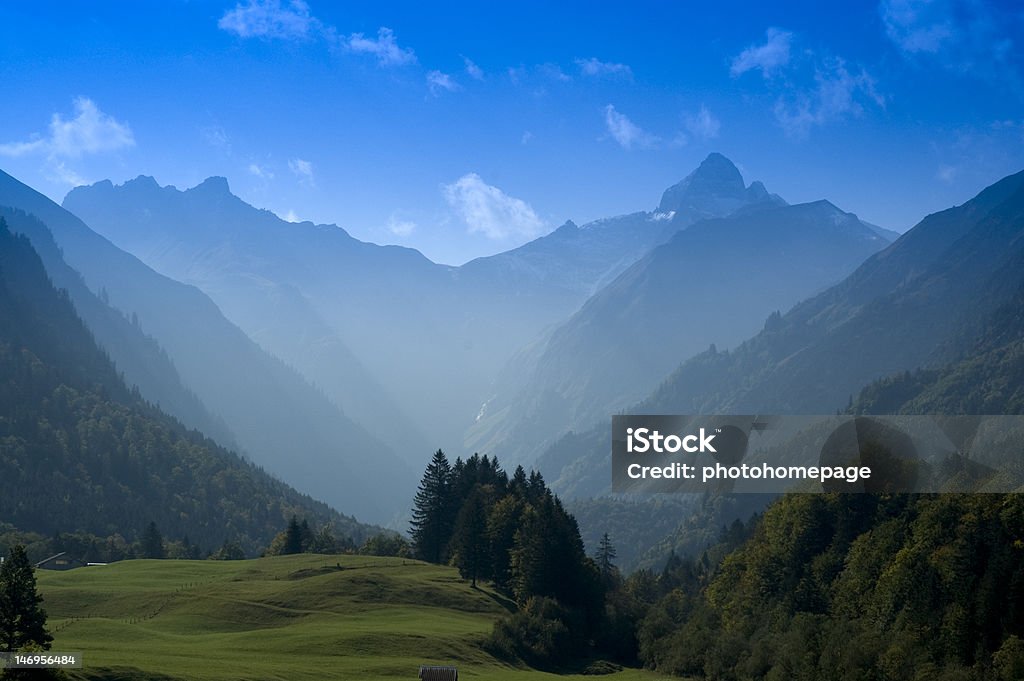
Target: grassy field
286	617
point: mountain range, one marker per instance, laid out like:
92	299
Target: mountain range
338	365
714	282
277	418
81	453
405	347
919	304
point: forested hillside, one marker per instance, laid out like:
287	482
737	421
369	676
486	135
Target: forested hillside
871	586
79	452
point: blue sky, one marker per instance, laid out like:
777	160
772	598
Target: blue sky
468	128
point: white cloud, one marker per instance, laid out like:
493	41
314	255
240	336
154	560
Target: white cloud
973	37
472	70
400	227
625	132
67	175
303	170
946	173
293	21
290	216
269	19
916	25
89	132
769	57
438	81
703	124
490	211
595	67
385	48
260	171
836	94
813	90
527	136
554	72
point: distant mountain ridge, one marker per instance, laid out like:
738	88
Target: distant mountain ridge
917	304
715	189
343	312
713	282
79	452
281	421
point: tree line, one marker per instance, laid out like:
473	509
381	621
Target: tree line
515	533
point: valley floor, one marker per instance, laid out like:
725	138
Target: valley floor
285	617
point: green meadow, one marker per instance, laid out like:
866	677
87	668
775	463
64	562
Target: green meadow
284	617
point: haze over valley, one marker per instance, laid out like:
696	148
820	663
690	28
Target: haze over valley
315	320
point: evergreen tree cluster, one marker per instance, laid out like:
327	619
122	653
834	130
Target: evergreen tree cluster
516	534
300	537
851	587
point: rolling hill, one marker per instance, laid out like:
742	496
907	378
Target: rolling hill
288	617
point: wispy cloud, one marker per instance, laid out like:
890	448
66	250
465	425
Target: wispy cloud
915	25
292	20
837	93
703	124
400	227
385	48
974	37
217	137
489	211
290	216
553	72
811	89
624	131
769	57
472	70
260	171
303	170
270	19
90	131
595	68
438	81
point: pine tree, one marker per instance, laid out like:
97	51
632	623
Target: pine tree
469	540
293	537
605	559
517	485
502	524
431	514
153	542
22	619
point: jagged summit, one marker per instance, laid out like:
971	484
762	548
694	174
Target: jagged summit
714	189
213	185
716	176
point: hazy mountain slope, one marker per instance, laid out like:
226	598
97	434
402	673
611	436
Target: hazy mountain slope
390	336
282	422
714	282
256	267
896	312
918	303
80	453
141	360
578	261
